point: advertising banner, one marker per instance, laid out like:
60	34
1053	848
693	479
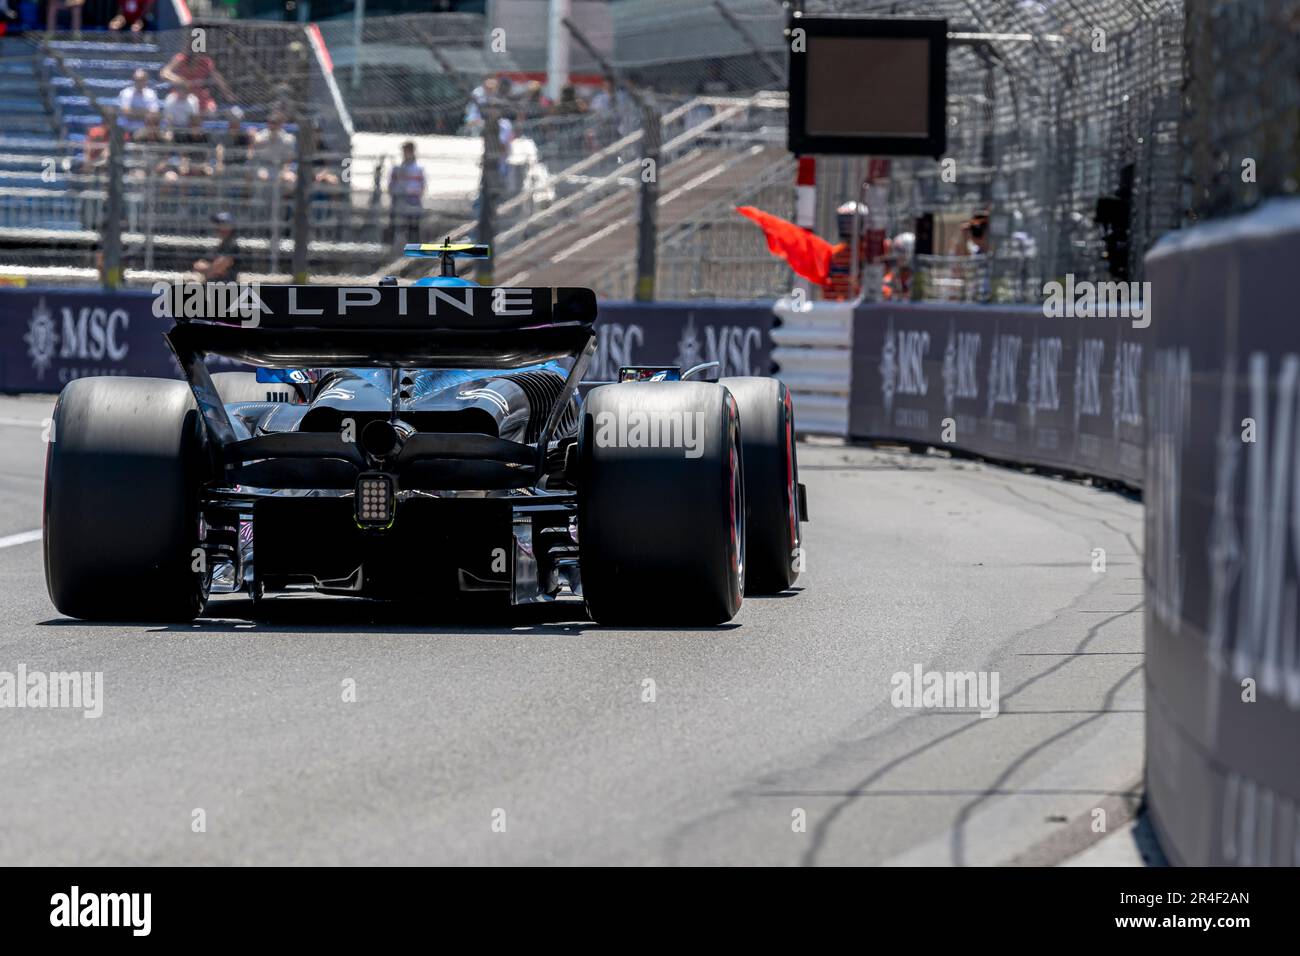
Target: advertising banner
50	336
738	337
1008	383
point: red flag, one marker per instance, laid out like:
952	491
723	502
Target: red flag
809	255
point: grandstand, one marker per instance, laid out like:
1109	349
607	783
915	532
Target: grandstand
565	175
58	177
31	136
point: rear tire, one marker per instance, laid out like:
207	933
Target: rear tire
661	536
121	523
772	531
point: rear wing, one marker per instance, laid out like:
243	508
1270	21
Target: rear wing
299	326
382	326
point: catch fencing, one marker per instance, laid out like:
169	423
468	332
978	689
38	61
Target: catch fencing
1241	124
1064	124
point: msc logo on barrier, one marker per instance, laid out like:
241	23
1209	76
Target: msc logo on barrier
731	346
738	349
1002	371
89	333
616	344
960	367
902	365
1126	389
1044	393
1088	360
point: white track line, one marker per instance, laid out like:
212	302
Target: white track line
23	537
22	422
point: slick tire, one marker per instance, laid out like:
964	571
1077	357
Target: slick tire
773	535
122	473
661	530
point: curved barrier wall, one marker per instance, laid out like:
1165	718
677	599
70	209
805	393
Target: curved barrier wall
1223	542
1007	383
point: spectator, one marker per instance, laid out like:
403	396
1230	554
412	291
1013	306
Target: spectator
569	104
535	103
179	106
602	101
194	147
484	91
973	242
322	164
974	237
897	282
149	142
282	99
274	151
326	192
406	187
482	94
130	15
94	152
152	132
609	105
224	265
196	71
234	146
138	100
52	9
844	276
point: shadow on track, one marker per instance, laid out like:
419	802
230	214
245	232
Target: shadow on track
315	614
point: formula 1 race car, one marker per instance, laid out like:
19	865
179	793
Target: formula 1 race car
419	442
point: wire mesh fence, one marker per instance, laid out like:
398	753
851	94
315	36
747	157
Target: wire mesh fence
1062	130
1063	127
1241	126
714	254
412	73
1079	131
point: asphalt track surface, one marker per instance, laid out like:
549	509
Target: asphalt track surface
911	560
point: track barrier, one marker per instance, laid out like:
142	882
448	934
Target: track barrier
48	337
1006	383
1223	542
